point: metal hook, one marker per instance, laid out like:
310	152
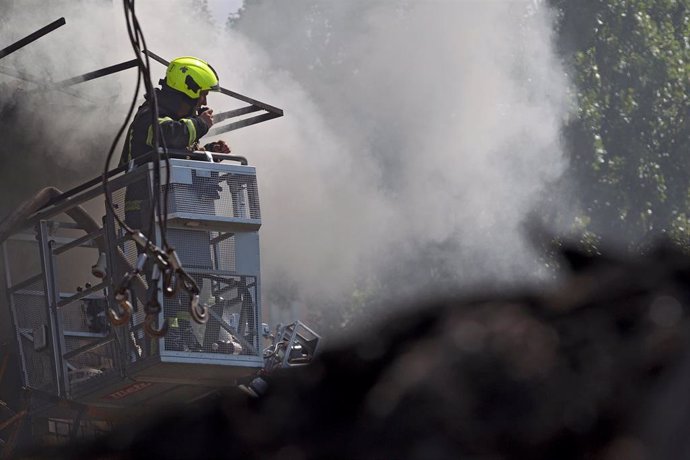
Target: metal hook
152	307
199	313
141	262
189	284
151	330
173	259
124	284
126	306
140	239
169	283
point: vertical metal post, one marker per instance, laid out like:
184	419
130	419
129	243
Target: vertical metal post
239	206
257	312
110	238
243	202
13	313
215	250
6	262
59	323
50	289
160	341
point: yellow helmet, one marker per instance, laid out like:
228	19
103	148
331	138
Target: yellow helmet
191	76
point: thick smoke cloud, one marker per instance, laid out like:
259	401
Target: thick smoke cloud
444	123
57	137
417	138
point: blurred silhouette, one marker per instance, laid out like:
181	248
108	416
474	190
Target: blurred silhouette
595	368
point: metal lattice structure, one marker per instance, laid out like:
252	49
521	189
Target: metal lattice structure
69	350
66	258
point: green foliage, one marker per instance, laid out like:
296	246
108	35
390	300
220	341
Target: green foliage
629	142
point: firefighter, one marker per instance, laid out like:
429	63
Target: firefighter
182	112
183	119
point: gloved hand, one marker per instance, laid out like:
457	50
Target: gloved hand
217	147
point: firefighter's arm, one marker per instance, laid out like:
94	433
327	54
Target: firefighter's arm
182	133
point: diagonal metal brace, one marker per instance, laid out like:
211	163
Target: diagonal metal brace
216	130
98	73
32	37
93	75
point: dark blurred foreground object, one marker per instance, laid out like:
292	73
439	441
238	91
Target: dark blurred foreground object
598	368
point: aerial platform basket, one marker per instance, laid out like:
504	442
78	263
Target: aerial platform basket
67	346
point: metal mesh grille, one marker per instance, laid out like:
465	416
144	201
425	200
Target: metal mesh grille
31	313
139	346
212	193
208	256
92	363
204	250
74	317
244	195
118	200
223	251
132	206
131	201
232	327
84	327
60	431
193	247
23	257
127	255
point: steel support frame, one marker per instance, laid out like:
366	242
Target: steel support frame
9	292
52	296
111	242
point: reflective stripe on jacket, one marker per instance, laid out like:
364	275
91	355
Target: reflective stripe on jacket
177	133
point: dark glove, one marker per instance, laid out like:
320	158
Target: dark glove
217	147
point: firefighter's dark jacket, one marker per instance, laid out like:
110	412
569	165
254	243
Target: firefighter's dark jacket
177	133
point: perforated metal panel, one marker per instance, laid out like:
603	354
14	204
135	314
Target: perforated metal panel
123	251
90	351
193	247
215	216
61	430
205	190
232	328
210	257
95	361
223	251
204	249
118	200
30	312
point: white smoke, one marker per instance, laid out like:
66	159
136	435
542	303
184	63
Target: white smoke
441	133
432	124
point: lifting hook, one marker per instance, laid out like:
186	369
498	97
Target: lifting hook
151	330
126	306
199	313
169	282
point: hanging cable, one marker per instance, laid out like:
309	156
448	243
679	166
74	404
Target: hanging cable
164	259
138	43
